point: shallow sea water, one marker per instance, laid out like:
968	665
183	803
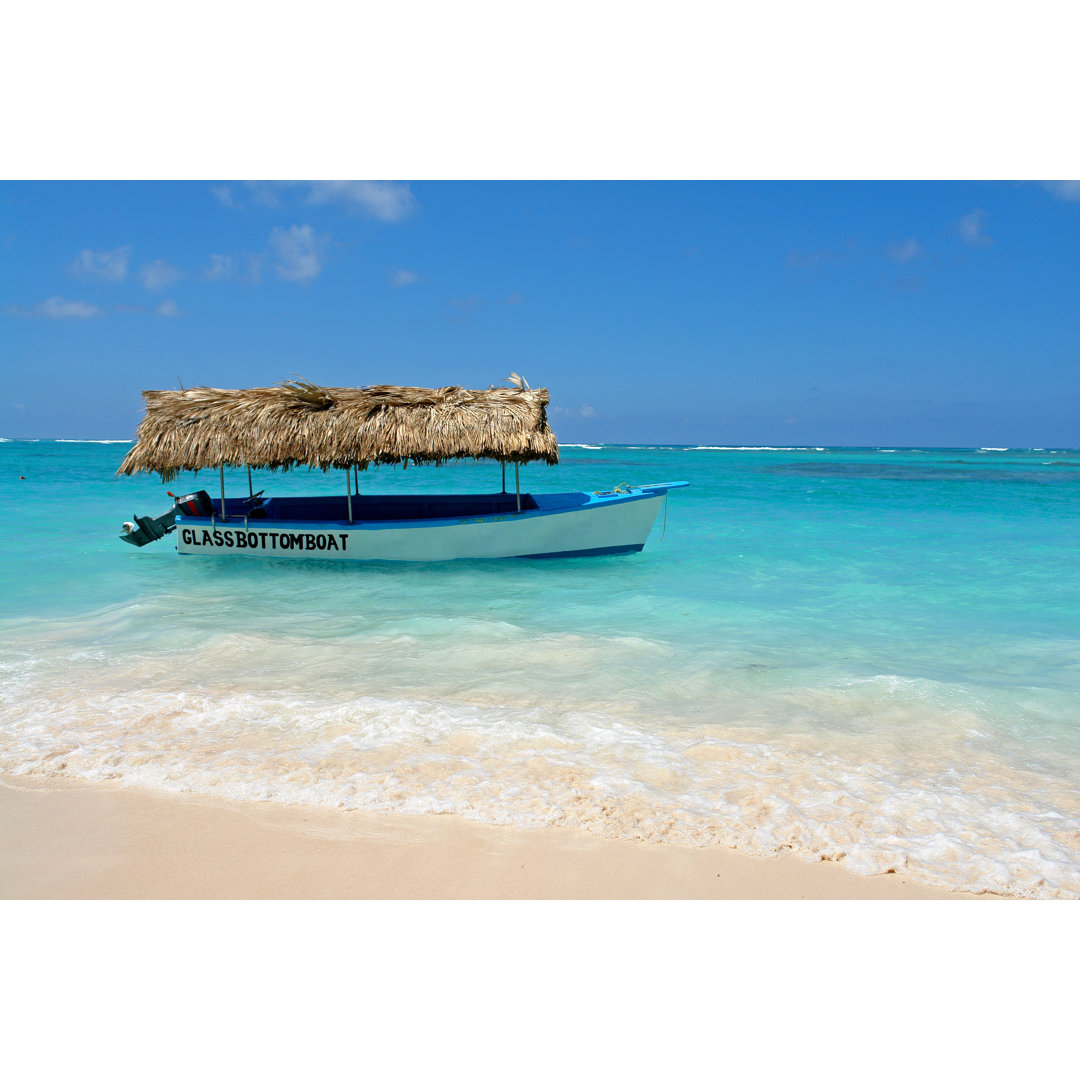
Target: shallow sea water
865	655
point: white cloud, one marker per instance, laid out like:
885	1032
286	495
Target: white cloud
101	265
243	267
221	268
911	284
1063	189
585	412
461	307
56	307
970	227
297	252
387	200
159	274
265	192
905	250
400	278
802	260
168	308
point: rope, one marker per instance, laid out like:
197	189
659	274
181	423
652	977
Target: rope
664	529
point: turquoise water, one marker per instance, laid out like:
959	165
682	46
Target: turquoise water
865	655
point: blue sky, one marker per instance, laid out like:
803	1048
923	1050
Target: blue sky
729	313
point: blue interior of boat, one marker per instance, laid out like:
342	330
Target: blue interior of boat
381	507
393	507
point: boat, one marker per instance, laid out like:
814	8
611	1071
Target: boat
300	423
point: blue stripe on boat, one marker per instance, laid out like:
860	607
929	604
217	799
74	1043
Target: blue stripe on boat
620	549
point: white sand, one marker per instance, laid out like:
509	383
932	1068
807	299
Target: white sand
79	840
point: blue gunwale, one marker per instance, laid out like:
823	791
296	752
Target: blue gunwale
588	501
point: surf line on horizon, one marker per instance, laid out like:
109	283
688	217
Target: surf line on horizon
788	449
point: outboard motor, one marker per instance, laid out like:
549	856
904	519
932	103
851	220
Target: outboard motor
144	530
196	505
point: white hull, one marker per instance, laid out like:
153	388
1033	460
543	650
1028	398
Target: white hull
608	524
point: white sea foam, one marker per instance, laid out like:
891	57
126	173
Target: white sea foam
780	449
548	731
993	449
582	446
101	441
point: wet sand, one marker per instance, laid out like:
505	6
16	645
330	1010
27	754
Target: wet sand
82	840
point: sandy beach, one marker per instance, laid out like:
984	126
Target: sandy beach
81	840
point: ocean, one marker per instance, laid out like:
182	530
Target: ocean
864	655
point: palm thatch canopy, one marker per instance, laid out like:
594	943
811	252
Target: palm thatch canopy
299	423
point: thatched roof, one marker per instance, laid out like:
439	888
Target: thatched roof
299	423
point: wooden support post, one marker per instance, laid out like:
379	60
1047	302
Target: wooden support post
348	491
222	470
517	486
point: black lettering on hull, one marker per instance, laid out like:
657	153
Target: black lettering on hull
260	540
